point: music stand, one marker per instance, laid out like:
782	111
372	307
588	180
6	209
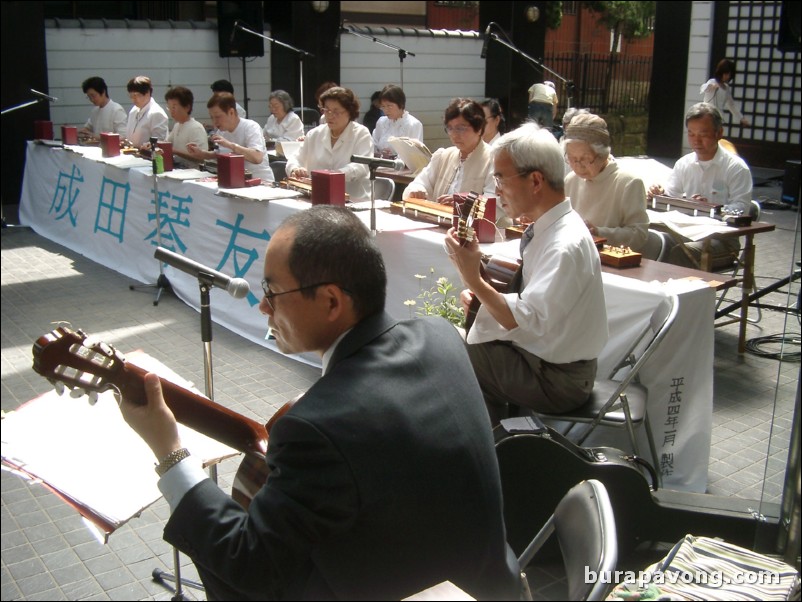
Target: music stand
162	283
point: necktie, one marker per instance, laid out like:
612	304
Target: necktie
516	283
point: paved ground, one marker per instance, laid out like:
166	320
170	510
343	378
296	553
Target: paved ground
48	553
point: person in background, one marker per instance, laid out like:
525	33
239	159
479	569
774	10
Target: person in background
318	93
283	123
494	120
708	173
223	85
187	130
466	166
330	146
717	91
107	115
612	201
543	103
374	113
235	135
146	119
397	121
537	345
328	523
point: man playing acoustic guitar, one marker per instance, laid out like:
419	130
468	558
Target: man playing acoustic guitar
536	346
383	476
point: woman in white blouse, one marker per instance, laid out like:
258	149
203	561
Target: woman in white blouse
396	121
466	166
283	123
330	146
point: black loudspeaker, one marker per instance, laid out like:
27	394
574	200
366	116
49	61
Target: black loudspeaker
235	42
788	36
791	183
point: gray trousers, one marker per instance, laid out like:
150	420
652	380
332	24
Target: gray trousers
509	375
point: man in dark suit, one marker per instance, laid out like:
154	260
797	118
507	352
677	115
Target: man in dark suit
383	476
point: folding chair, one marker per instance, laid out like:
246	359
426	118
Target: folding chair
585	527
624	403
384	189
657	245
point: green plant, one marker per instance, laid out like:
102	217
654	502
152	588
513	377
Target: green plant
441	299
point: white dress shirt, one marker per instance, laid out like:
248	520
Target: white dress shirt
724	180
561	313
147	122
110	118
289	128
317	153
405	126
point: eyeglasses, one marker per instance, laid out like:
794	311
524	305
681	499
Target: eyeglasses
500	179
331	112
459	129
270	294
581	162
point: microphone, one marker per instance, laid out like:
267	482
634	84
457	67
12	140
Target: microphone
233	31
487	41
236	287
396	164
43	95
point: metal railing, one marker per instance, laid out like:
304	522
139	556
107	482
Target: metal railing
605	82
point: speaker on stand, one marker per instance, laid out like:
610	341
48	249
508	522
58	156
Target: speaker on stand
234	42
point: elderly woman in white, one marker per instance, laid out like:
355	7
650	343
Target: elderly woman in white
282	124
610	200
330	146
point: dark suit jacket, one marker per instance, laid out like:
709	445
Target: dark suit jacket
384	481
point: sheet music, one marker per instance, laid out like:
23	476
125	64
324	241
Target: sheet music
692	227
89	454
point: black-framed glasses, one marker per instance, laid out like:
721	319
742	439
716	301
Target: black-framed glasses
270	294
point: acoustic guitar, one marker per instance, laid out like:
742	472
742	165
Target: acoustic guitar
70	358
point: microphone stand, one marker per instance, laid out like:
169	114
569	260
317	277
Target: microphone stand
302	54
402	54
373	168
567	84
162	283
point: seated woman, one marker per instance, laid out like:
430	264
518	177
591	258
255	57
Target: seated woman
610	200
283	123
494	120
330	146
396	121
466	166
187	130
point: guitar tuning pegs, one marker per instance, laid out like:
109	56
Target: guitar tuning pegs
58	386
92	395
76	393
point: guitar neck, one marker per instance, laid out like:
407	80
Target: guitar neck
200	413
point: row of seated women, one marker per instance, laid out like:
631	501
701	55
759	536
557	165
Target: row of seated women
611	200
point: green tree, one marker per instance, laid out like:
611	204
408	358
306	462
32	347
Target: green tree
628	19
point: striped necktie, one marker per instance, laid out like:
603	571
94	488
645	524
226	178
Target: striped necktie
516	282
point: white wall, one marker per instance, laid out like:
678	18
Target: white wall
446	65
170	57
698	56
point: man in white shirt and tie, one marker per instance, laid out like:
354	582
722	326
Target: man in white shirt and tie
536	345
